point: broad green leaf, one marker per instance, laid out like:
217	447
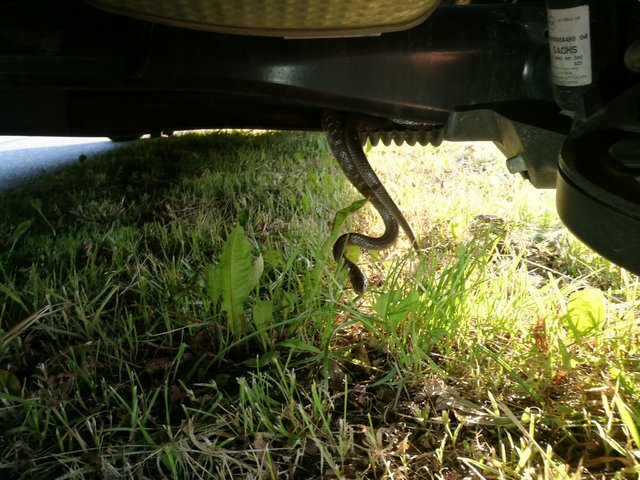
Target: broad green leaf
257	268
262	318
238	275
352	252
212	283
338	221
585	312
262	314
341	215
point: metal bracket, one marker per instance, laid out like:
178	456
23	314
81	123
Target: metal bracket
531	151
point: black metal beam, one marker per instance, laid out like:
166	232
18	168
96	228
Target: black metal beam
460	57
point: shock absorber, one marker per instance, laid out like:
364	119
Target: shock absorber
581	45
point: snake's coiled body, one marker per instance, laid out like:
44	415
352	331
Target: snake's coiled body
344	139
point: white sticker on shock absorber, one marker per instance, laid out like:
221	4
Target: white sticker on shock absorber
570	46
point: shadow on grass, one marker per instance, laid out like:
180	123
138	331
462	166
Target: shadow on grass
147	168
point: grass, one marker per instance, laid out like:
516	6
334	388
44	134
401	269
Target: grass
171	310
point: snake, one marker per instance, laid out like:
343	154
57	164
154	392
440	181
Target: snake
344	139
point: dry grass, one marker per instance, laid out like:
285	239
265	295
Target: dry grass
504	350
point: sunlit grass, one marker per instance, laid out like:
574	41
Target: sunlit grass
172	310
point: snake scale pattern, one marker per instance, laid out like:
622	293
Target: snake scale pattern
343	136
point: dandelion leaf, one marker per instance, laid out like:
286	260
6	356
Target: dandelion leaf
237	275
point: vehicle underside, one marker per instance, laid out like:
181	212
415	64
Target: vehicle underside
555	84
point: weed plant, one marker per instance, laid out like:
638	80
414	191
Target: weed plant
172	310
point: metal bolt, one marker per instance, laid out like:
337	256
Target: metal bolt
516	164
